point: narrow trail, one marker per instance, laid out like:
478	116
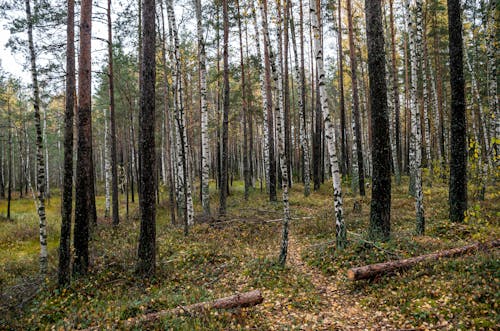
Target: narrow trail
337	310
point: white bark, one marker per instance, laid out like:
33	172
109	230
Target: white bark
329	130
205	157
414	30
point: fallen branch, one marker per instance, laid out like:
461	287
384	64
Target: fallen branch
373	270
246	299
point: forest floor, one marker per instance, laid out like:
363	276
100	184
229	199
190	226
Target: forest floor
311	292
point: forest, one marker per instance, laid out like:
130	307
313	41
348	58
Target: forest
239	164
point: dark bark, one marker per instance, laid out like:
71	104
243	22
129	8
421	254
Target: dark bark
147	157
380	212
64	273
114	171
286	94
9	166
344	155
355	105
225	120
458	143
84	178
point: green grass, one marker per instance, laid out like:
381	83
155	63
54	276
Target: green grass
219	260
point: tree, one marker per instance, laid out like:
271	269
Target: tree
64	273
380	208
357	148
458	144
39	146
147	156
205	169
84	169
280	128
340	229
225	120
114	171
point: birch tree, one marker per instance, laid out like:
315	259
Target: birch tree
205	144
340	229
41	182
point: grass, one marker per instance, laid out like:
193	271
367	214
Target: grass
217	260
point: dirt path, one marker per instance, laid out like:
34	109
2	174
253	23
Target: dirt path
337	310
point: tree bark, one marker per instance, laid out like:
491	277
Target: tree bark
380	209
225	121
114	171
147	157
40	202
458	144
84	179
330	132
64	272
355	106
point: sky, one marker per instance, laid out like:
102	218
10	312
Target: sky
13	64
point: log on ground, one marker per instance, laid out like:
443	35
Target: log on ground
378	269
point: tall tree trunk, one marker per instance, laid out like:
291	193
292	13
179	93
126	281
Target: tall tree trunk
46	151
414	30
458	145
263	91
168	123
301	97
269	63
147	157
492	54
64	273
39	147
205	143
330	133
246	170
114	171
225	121
84	178
380	209
355	106
280	127
286	93
9	166
344	165
395	89
107	167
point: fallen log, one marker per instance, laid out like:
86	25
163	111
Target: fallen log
378	269
239	300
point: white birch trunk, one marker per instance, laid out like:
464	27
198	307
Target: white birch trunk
329	130
414	21
205	157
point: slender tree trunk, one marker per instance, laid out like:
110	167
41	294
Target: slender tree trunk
458	161
107	167
114	171
263	89
355	107
246	170
225	121
147	157
330	133
395	89
205	143
46	151
494	109
64	272
40	202
414	30
380	211
344	165
269	62
9	188
301	98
